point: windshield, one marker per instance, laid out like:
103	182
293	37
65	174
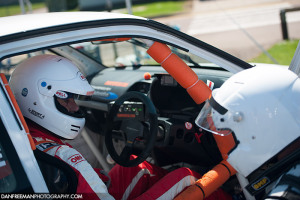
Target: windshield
131	53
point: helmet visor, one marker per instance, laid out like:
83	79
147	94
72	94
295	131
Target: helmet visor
208	114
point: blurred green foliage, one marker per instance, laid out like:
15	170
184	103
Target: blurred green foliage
145	8
283	53
15	9
158	8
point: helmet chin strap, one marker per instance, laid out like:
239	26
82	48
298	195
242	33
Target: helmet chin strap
64	110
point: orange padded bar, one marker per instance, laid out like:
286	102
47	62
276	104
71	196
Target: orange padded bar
216	177
179	70
159	51
14	102
17	108
199	92
225	144
115	39
209	182
193	192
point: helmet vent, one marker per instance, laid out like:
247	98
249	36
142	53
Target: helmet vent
75	128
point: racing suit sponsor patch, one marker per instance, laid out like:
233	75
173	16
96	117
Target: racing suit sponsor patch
46	146
77	158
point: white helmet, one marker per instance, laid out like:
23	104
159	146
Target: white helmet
261	108
38	81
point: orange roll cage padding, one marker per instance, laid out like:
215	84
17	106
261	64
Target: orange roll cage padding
214	178
199	92
114	39
180	71
17	109
225	144
209	182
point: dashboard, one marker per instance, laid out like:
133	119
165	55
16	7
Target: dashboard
178	138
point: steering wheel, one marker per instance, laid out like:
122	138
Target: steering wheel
133	129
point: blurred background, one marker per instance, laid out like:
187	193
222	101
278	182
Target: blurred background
266	31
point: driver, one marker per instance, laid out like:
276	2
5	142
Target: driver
45	88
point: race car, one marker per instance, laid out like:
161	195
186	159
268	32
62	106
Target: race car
134	87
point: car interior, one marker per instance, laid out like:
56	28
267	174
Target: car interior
135	100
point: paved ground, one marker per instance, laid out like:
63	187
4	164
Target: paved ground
243	28
240	27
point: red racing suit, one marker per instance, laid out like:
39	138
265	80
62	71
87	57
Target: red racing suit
145	181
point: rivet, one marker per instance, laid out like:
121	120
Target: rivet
237	117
